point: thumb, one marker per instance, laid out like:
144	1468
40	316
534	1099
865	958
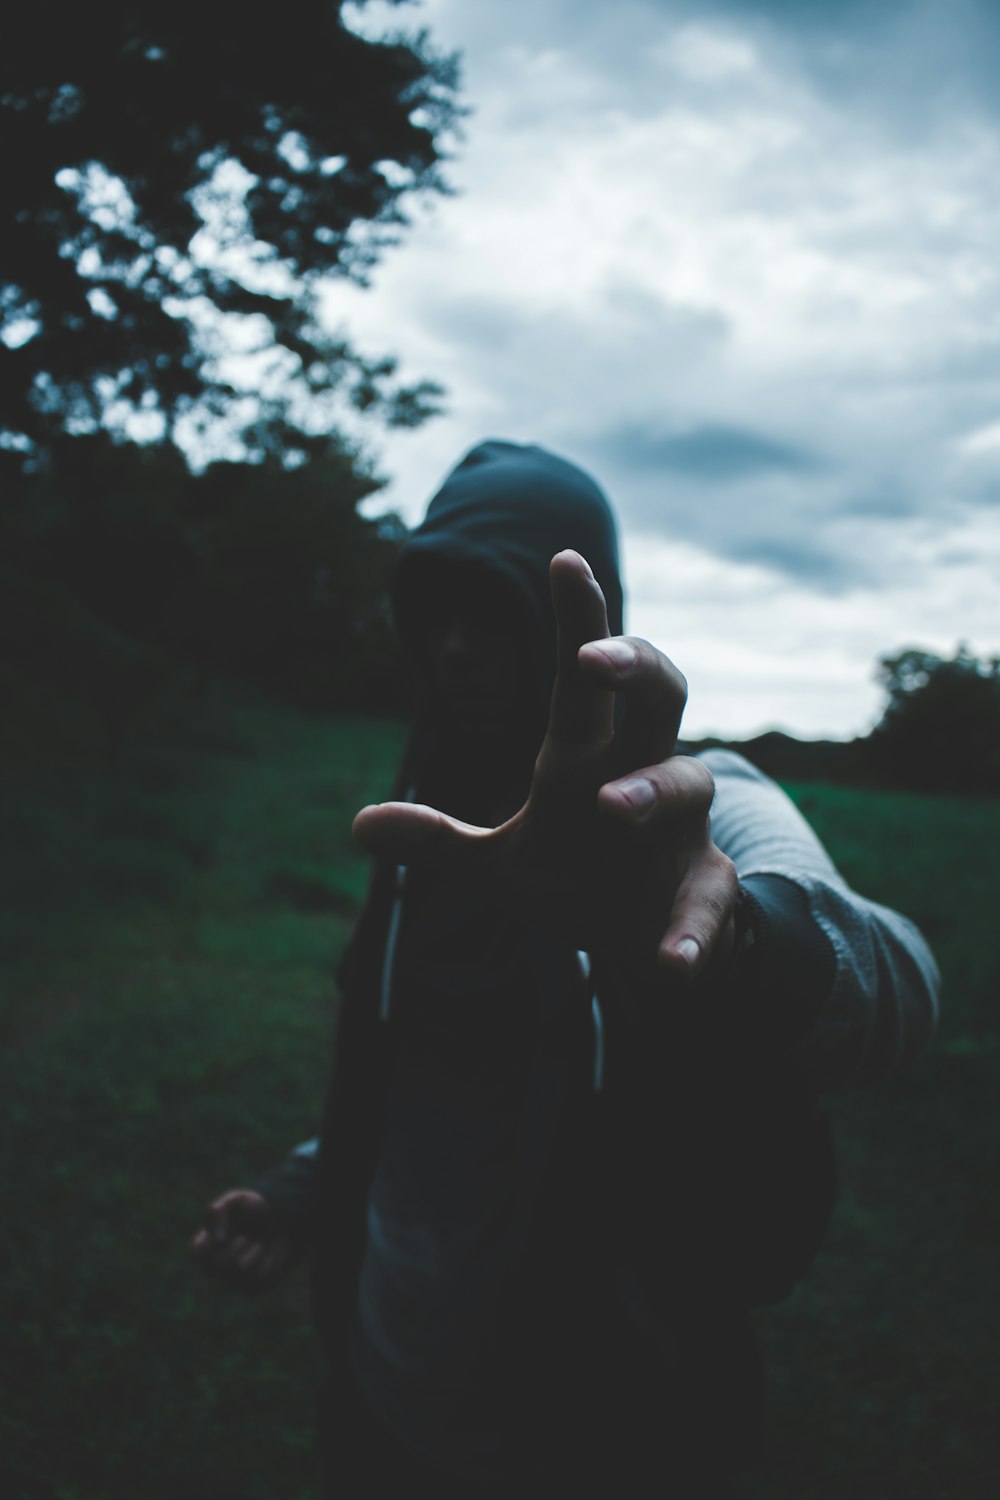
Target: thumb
411	833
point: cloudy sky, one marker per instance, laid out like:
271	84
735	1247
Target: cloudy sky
740	262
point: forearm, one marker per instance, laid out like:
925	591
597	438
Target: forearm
870	1005
291	1189
883	1006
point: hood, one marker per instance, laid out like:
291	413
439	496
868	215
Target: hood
507	508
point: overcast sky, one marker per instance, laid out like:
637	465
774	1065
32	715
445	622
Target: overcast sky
740	262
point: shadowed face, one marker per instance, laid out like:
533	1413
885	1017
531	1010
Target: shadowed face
476	678
472	648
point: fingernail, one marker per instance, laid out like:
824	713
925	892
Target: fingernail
618	652
639	793
688	949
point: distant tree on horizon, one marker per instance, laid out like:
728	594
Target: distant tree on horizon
941	725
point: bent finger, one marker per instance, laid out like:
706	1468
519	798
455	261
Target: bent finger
654	693
702	919
232	1253
582	706
673	793
410	833
249	1260
217	1220
274	1264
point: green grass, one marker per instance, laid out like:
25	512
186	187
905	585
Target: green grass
170	930
884	1377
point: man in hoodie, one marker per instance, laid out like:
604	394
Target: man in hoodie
572	1136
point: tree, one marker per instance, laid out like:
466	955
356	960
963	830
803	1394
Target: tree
941	727
128	583
180	180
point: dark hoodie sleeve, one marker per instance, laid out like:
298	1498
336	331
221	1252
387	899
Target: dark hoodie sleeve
785	961
848	986
291	1189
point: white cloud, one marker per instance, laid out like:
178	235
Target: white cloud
981	440
706	53
672	227
760	652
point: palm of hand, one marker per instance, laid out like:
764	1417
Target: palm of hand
613	846
573	862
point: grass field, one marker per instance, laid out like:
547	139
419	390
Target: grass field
169	933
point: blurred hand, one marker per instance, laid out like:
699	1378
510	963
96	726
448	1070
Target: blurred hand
613	846
244	1243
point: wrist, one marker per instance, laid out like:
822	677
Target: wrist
786	966
743	930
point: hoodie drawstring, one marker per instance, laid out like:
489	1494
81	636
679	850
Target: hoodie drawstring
392	936
597	1016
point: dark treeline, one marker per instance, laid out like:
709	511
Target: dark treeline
939	732
126	582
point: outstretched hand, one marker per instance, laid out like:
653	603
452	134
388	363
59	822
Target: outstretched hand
613	846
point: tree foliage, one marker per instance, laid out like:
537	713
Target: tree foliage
179	179
941	725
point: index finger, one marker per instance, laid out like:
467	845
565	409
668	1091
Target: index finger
582	710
